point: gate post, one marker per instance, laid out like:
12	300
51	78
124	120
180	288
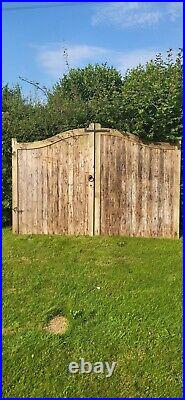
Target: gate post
15	213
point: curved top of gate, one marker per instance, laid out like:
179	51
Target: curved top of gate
93	127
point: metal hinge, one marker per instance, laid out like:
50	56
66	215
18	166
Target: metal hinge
15	209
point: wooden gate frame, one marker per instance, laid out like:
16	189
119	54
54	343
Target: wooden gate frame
97	131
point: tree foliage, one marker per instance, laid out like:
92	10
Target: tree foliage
147	101
152	96
85	95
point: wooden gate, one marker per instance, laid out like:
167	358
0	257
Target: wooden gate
96	181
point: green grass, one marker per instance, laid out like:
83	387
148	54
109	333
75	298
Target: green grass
133	319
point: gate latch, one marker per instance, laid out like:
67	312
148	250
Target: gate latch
91	179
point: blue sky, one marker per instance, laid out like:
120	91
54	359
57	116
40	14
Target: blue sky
122	34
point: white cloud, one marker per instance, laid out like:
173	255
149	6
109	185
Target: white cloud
52	59
133	58
136	14
175	10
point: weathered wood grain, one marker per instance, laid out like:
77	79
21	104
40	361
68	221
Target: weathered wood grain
22	200
15	189
142	199
96	181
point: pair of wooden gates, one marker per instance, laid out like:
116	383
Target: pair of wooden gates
96	181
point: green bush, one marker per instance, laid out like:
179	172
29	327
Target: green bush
152	97
147	101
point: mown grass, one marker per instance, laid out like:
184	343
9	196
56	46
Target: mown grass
133	319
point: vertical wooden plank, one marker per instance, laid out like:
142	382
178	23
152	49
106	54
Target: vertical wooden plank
102	179
144	190
139	191
128	188
34	165
55	195
97	206
176	193
134	177
123	188
149	192
63	187
161	209
85	182
81	152
52	192
71	167
22	184
53	187
91	184
80	207
111	175
113	184
108	202
49	191
171	178
86	186
15	222
75	189
117	155
119	150
44	190
64	182
29	189
105	185
167	205
39	161
171	195
155	185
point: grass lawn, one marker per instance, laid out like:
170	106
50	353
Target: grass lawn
134	318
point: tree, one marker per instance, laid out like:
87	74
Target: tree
152	99
85	95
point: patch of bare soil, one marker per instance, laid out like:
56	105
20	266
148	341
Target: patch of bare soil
57	325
